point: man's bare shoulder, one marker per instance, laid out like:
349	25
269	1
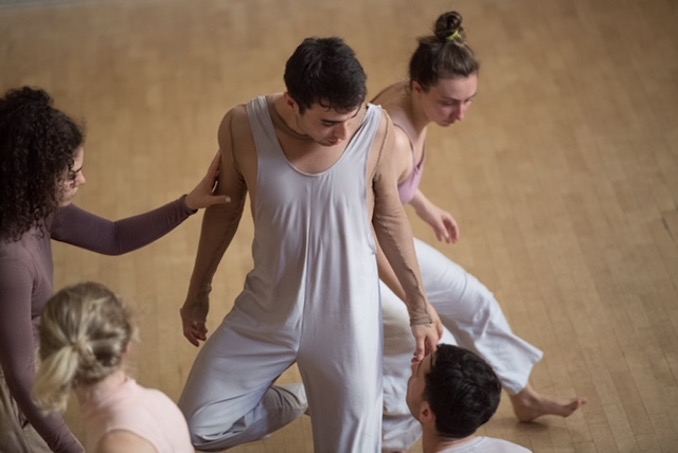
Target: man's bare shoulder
385	121
383	142
236	141
235	132
234	120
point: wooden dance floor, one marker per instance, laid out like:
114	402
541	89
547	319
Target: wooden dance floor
563	176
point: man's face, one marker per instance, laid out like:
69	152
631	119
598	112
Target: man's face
326	126
417	384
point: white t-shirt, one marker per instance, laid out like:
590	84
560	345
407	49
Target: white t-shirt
483	444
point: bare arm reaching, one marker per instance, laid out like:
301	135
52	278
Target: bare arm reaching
395	237
219	225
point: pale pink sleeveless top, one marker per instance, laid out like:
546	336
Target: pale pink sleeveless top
148	413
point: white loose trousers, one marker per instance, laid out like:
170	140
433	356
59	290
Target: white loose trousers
473	319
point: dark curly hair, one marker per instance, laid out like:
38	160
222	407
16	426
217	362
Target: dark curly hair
443	55
37	149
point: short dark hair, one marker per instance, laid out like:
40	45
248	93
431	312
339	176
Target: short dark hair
443	55
462	390
37	149
325	71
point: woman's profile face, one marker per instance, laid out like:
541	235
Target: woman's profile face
446	102
72	181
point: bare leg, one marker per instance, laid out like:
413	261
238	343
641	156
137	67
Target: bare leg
529	405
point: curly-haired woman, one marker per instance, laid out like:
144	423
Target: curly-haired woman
41	161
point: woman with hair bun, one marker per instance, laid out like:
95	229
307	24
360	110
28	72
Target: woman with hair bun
85	336
41	169
442	84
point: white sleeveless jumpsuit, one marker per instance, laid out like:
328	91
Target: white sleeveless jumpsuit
312	297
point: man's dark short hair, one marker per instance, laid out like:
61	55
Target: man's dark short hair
462	390
325	71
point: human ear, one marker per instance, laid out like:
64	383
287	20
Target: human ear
426	414
289	100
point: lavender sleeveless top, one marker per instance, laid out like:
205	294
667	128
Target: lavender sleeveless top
408	188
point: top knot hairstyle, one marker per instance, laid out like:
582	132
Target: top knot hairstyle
325	71
84	333
443	55
37	149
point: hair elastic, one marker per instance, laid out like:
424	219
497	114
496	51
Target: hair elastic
453	37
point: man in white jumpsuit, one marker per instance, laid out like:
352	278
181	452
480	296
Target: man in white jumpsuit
315	163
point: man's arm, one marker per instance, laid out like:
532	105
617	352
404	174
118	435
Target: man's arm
394	234
219	225
387	275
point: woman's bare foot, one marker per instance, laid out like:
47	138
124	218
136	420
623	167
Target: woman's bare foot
529	405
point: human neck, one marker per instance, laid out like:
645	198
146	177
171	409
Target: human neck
415	111
433	443
103	387
288	120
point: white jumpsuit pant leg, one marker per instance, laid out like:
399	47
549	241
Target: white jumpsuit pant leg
475	320
342	374
229	398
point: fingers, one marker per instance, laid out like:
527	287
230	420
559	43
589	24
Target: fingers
431	345
454	234
194	331
199	330
448	232
190	339
425	346
194	337
443	235
219	199
440	232
188	333
453	230
420	351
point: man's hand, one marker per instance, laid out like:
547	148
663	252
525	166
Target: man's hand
426	337
193	317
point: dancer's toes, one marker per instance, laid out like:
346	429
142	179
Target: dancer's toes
529	405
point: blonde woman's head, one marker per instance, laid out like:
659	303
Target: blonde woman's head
84	333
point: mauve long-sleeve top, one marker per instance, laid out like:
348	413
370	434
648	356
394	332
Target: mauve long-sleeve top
26	284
